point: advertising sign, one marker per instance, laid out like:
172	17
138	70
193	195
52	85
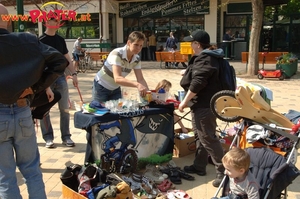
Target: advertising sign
164	8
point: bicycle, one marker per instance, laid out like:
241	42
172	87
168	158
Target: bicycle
123	159
82	63
85	61
88	60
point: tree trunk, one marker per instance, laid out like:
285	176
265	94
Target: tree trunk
257	18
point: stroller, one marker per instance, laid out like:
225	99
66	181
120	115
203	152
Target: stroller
272	148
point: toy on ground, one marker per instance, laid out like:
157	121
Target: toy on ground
263	73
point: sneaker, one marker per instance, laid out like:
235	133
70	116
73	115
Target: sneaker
218	180
68	142
49	144
192	169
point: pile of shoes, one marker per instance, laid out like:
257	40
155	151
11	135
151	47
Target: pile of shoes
176	173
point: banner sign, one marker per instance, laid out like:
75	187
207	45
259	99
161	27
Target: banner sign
95	45
164	8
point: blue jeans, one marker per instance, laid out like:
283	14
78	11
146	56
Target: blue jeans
19	148
75	56
61	86
102	94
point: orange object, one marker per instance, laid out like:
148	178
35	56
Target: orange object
244	144
68	193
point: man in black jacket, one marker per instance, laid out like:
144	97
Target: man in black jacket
22	74
201	82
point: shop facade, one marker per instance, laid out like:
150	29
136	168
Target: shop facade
112	21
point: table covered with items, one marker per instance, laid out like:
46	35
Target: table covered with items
128	136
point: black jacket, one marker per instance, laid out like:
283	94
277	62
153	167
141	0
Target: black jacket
202	77
26	62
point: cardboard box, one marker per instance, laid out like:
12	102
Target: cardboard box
185	146
68	193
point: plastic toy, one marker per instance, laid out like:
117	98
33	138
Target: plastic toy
263	73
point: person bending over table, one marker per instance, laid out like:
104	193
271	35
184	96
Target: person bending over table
117	66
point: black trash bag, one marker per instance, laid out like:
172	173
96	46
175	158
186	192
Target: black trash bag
69	177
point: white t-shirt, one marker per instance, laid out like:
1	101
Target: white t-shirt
76	44
248	186
117	57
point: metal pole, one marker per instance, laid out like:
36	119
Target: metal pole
100	23
20	11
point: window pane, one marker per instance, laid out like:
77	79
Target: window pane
195	22
91	32
235	21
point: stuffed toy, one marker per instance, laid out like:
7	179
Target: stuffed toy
123	191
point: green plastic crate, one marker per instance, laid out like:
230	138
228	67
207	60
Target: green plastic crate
288	69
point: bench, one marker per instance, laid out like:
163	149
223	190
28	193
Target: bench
98	56
164	57
270	57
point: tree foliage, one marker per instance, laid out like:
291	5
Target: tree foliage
285	11
292	7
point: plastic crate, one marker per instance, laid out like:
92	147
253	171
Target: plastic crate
186	48
288	69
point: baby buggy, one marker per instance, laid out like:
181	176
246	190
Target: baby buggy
272	149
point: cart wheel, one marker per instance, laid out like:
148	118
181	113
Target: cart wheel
282	76
129	162
220	101
260	76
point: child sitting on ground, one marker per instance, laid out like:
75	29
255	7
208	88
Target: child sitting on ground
166	85
242	184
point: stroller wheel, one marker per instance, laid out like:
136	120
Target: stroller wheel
220	101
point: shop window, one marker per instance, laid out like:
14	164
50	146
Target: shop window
281	37
84	28
28	27
180	26
239	25
195	22
129	24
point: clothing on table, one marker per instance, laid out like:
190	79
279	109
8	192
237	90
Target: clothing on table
34	65
61	86
152	47
105	78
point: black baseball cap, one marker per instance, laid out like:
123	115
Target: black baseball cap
200	36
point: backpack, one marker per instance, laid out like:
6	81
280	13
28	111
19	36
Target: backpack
227	75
